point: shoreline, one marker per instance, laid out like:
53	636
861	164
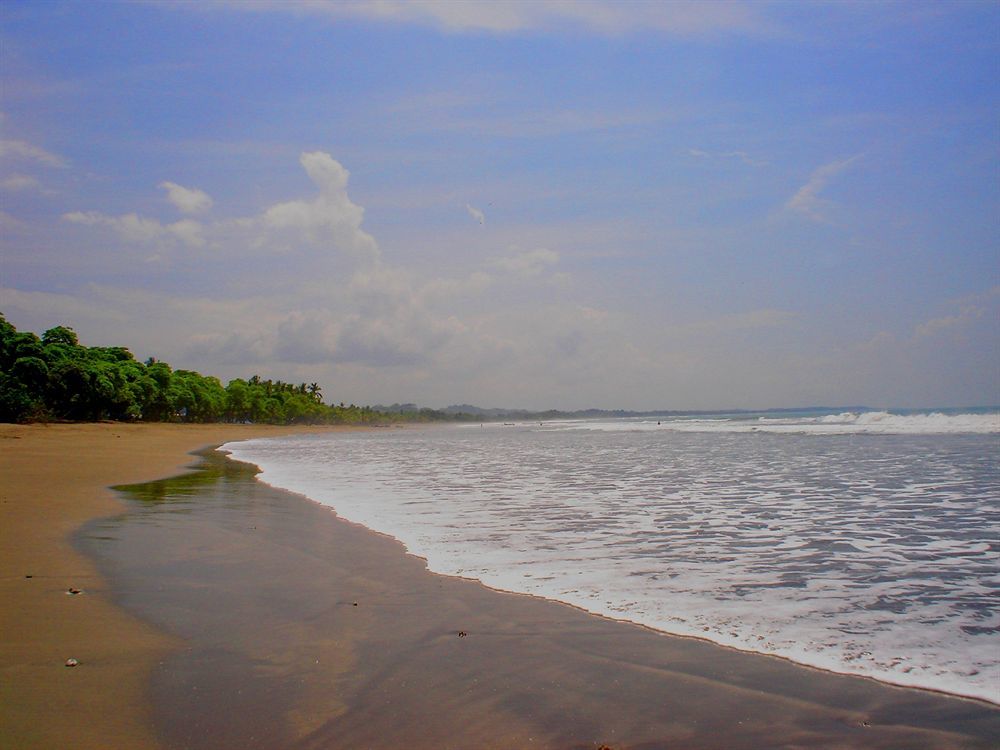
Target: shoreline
985	702
397	652
443	558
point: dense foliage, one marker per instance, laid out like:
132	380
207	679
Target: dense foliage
56	377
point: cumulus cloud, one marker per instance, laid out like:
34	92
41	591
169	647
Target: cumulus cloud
330	218
390	323
139	229
321	230
24	150
360	317
383	319
331	215
475	213
187	200
402	333
807	200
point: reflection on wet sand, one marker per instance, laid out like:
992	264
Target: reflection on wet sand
302	630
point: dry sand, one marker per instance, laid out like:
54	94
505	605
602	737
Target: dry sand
289	627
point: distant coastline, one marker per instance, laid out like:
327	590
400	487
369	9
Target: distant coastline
53	377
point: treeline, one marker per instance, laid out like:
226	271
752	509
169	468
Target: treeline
57	378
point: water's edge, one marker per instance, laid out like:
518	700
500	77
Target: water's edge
235	684
604	616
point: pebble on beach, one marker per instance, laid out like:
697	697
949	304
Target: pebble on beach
71	662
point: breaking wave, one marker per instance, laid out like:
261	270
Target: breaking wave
844	423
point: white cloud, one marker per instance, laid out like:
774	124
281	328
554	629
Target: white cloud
384	323
329	216
742	156
807	200
139	229
187	231
24	150
329	221
131	227
389	322
529	262
484	331
475	213
187	200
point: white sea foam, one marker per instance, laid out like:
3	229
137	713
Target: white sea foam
845	423
868	554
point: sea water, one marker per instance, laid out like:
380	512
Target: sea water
864	543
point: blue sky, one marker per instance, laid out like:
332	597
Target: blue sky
629	205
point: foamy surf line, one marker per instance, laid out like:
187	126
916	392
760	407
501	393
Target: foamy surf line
514	536
844	423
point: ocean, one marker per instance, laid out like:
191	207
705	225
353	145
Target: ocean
864	543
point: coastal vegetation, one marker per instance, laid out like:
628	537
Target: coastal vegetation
55	377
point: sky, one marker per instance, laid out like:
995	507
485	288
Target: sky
675	205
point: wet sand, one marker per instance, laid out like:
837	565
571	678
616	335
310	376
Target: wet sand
53	478
258	619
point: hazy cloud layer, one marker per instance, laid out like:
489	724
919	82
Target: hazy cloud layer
680	17
20	182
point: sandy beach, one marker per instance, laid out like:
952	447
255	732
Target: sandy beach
54	478
218	612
